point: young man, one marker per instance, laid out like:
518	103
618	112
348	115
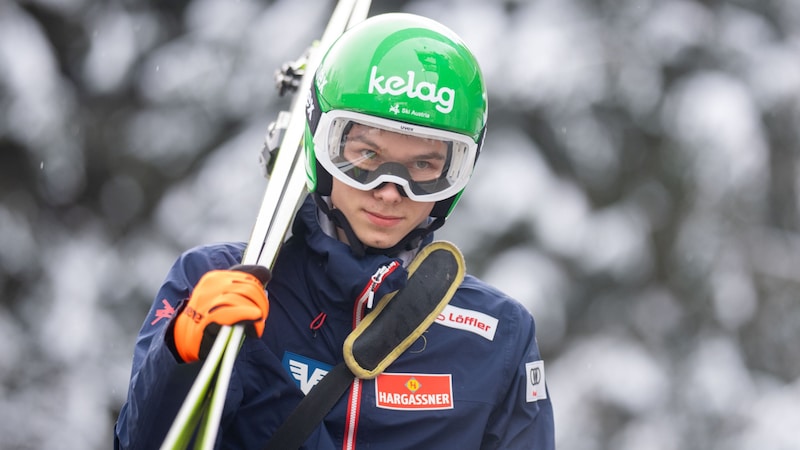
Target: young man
396	119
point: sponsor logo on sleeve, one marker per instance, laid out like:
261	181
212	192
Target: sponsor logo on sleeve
165	312
414	392
305	371
466	319
534	385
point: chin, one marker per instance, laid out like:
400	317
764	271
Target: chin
379	243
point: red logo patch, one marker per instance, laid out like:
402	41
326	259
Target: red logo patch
164	313
414	392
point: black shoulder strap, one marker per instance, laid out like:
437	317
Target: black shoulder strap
312	409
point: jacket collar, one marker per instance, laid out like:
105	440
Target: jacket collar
350	273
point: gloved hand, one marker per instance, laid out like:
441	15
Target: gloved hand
221	297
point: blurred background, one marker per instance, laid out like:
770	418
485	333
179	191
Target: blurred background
638	192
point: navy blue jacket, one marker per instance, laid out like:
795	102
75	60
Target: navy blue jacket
474	380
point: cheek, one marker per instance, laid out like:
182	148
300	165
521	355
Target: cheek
339	194
424	210
334	195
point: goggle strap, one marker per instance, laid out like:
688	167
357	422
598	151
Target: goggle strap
313	110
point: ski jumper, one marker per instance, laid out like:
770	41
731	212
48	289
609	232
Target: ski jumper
474	380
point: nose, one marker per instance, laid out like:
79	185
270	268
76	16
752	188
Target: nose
389	192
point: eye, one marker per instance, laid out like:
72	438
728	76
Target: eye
365	158
424	169
422	165
367	154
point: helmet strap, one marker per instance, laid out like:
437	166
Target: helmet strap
324	181
442	208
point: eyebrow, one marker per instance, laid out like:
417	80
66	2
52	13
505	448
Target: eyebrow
360	137
433	154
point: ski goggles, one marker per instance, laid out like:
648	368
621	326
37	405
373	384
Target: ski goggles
364	152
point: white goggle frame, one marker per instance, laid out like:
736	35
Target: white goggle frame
462	153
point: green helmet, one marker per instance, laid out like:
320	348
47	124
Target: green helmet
403	73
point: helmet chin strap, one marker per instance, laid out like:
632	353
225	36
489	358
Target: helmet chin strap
408	242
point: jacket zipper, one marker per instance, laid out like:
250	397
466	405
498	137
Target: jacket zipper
364	302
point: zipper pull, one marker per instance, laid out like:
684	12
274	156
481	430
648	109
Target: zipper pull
377	279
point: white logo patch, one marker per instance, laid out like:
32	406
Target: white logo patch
443	97
306	371
466	319
535	386
307	381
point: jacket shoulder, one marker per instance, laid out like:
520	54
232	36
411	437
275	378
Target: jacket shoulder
217	253
481	296
196	261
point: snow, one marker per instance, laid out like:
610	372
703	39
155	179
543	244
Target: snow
637	193
113	49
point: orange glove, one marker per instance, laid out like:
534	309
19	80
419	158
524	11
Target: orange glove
221	297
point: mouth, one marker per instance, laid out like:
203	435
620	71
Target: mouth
382	220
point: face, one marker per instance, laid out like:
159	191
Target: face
381	217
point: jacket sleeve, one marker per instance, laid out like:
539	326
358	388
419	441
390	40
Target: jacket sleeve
159	382
524	418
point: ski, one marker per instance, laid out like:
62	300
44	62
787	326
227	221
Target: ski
189	416
284	192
